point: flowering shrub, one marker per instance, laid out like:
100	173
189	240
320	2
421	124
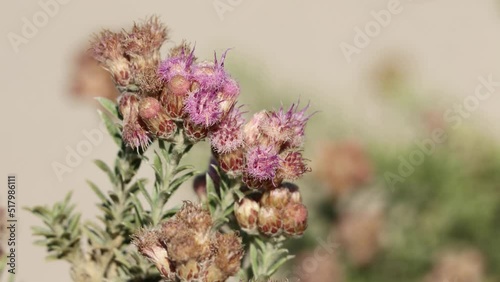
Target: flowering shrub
247	208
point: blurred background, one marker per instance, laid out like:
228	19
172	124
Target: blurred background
404	145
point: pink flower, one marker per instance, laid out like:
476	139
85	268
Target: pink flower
286	126
227	135
210	76
262	163
203	108
177	65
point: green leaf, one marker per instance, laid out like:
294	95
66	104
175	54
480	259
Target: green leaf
272	269
145	193
109	105
254	258
97	191
112	128
179	180
104	167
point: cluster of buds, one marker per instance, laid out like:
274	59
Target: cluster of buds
185	247
163	99
278	212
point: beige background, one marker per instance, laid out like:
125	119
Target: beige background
446	45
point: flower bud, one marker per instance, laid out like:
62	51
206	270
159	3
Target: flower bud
193	132
247	213
179	85
232	162
228	94
134	133
276	198
254	183
251	130
120	70
173	104
269	221
158	122
294	219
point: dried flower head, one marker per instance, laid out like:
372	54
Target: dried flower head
134	133
149	245
228	253
185	246
145	38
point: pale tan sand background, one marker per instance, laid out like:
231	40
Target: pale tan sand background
445	44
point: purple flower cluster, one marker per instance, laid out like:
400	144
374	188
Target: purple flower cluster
181	96
162	99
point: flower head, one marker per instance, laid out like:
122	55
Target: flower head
262	162
210	75
292	166
252	130
286	126
203	108
227	136
149	245
145	38
178	65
